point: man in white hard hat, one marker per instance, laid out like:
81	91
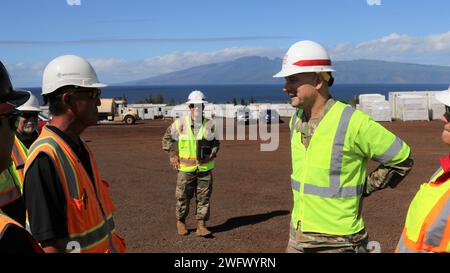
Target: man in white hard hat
13	237
428	219
331	144
192	147
11	199
68	204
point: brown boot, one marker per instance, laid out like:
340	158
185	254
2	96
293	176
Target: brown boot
181	228
201	229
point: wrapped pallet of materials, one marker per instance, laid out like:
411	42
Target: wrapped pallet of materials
367	101
412	107
376	106
381	111
395	103
437	107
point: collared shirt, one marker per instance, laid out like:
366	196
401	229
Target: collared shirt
308	127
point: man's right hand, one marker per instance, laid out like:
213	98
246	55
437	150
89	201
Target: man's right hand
174	162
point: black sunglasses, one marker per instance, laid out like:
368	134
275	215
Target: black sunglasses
30	115
193	106
93	93
13	119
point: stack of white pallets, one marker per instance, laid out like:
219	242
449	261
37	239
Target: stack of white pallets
437	108
412	107
376	106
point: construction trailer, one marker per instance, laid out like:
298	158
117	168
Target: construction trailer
167	111
179	111
149	111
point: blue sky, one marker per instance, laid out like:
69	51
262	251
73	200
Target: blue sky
126	40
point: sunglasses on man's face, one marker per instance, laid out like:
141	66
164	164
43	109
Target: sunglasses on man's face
13	119
192	106
29	115
93	93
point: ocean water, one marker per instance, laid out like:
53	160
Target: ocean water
260	93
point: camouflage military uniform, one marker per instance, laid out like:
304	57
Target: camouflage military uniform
379	179
190	183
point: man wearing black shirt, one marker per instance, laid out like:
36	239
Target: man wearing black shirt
72	90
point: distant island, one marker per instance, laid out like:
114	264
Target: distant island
259	70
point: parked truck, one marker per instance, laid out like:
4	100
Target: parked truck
112	110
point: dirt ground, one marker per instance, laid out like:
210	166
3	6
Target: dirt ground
252	197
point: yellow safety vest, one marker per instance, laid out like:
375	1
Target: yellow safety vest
19	156
10	185
328	178
187	145
427	226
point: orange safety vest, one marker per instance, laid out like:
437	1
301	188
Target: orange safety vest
427	227
6	222
19	157
89	209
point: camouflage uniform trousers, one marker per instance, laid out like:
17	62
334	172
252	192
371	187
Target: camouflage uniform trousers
188	184
309	242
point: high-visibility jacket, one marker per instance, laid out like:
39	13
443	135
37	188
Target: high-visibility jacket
427	226
10	185
6	223
89	209
328	177
19	156
187	144
11	180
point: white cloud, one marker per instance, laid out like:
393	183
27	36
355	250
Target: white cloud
431	49
116	70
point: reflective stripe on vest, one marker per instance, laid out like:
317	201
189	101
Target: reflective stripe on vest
95	235
294	123
435	232
391	152
64	162
335	190
19	156
295	185
10	185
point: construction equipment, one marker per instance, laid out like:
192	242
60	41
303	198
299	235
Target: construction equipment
112	110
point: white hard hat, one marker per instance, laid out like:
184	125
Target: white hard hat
443	96
196	96
31	105
303	57
69	70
